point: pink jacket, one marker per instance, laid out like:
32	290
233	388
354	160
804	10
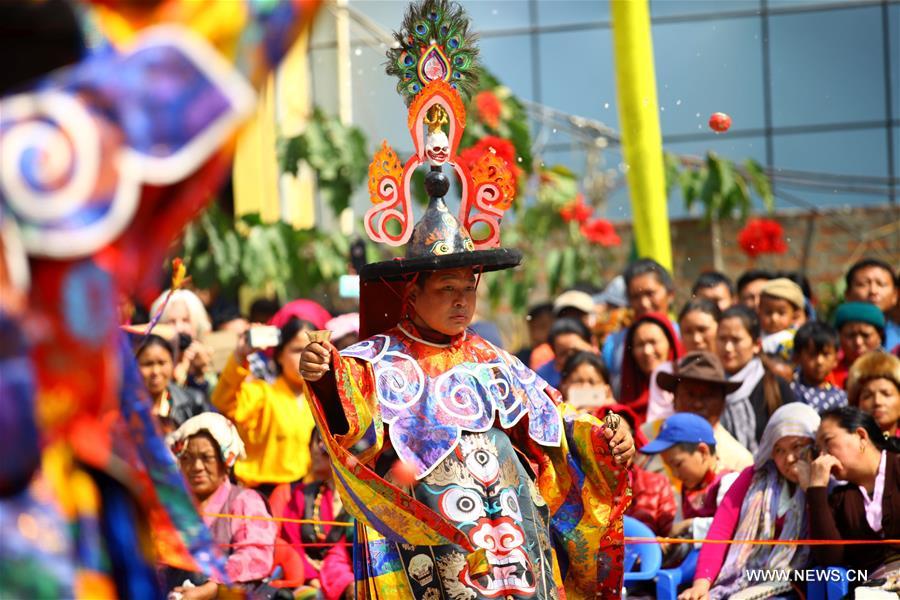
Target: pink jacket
712	556
251	545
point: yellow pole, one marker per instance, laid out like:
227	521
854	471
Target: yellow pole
639	123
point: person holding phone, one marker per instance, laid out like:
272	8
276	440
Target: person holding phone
866	507
585	382
274	419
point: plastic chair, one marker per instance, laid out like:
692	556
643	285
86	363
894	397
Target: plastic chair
830	587
650	554
668	580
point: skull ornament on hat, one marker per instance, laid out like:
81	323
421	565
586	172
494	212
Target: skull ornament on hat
435	63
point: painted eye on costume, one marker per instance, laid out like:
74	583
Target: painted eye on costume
484	466
509	504
462	504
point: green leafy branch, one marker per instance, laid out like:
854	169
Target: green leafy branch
336	152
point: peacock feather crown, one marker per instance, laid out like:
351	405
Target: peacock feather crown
435	60
434	43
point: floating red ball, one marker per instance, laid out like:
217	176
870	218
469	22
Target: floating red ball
719	122
403	474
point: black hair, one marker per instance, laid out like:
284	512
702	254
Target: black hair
263	309
154	340
747	317
820	335
646	266
537	310
691	447
584	357
711	279
223	312
701	305
851	418
800	279
288	332
867	263
748	277
566	325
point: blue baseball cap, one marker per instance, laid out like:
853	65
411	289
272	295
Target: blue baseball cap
681	428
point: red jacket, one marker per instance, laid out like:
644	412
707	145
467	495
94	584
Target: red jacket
652	500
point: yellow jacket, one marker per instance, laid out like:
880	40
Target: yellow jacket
274	424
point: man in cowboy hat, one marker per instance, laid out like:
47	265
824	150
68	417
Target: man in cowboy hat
700	386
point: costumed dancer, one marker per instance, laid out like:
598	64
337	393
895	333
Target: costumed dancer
469	479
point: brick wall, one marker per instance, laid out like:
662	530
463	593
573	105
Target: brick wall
836	239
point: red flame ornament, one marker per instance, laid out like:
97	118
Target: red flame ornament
719	122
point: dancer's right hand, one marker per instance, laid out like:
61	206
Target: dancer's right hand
314	361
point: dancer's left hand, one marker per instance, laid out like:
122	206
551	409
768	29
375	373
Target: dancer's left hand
621	444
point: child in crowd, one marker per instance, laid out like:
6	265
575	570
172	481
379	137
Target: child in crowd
816	348
781	305
687	445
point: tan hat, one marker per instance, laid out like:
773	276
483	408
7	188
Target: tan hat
697	366
574	299
785	289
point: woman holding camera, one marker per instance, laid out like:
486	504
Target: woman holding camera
185	313
867	506
274	419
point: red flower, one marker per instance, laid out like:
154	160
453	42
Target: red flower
576	210
489	108
504	149
762	236
601	232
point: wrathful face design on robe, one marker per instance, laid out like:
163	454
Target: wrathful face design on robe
483	489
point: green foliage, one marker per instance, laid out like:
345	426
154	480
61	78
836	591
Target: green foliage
337	153
226	252
722	188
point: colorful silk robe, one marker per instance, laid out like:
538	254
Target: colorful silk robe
514	494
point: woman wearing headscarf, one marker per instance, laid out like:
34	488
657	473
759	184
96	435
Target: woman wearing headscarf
764	503
207	447
651	344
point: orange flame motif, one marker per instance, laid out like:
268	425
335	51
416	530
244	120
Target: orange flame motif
385	172
387	190
492	191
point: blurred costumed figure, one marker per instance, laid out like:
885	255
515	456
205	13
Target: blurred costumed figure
116	121
467	476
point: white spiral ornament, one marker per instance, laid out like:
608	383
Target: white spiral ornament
67	201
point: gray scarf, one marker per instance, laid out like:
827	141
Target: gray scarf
739	417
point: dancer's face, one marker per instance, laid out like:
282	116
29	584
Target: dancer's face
445	301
